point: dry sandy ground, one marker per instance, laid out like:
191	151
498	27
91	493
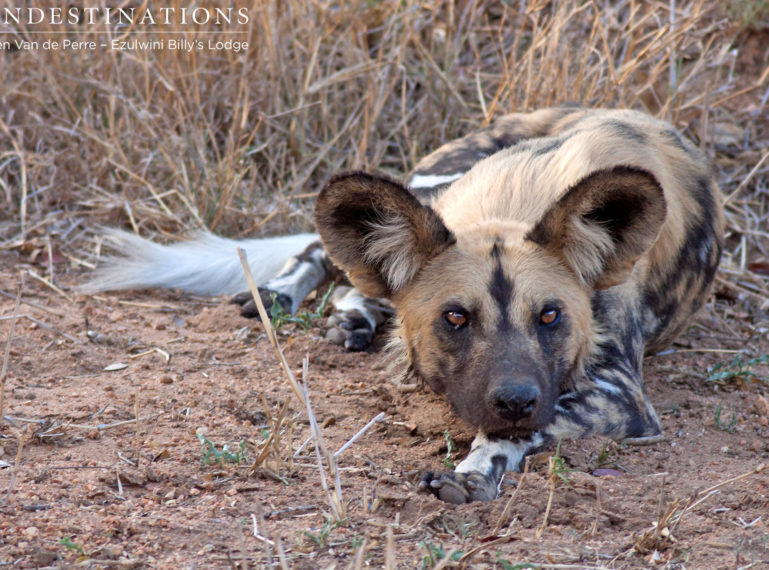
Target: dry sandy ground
83	483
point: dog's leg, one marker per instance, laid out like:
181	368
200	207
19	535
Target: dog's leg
615	405
479	475
300	275
356	318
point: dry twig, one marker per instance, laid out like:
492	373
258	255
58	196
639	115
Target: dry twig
504	518
334	496
660	535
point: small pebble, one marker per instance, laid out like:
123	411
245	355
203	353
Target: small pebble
329	421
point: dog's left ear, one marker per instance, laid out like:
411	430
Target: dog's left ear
377	232
604	224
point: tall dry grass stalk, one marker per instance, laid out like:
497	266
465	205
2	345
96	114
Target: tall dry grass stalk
301	391
239	142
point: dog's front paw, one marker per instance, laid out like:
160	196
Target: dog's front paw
269	298
460	488
351	330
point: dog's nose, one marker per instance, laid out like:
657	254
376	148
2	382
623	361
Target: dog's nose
514	402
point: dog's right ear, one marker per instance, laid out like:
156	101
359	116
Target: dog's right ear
377	232
604	224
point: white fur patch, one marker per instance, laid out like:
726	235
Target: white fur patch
353	300
391	244
205	265
298	278
484	449
607	387
432	180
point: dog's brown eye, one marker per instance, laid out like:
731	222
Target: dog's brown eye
549	317
456	319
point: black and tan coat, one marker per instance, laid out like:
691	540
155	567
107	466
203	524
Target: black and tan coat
531	264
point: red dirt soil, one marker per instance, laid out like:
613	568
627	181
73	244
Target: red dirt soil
79	493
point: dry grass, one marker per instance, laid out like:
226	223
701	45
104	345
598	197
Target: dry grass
660	535
240	142
301	391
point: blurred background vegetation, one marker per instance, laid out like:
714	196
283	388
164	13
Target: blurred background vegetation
165	141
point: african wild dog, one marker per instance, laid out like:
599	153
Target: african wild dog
532	264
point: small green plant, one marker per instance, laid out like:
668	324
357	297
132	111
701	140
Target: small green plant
738	371
212	456
71	546
305	319
450	448
457	527
321	539
559	468
720	425
356	541
436	553
604	458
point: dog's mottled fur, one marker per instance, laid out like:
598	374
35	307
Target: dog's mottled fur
532	264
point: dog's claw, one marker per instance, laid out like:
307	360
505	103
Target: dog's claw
351	330
460	488
248	306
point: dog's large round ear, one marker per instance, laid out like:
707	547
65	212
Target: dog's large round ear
377	232
604	224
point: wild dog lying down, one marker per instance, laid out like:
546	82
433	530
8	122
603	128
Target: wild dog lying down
532	264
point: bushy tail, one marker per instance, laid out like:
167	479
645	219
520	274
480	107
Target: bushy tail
205	265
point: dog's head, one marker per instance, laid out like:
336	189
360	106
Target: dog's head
495	316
